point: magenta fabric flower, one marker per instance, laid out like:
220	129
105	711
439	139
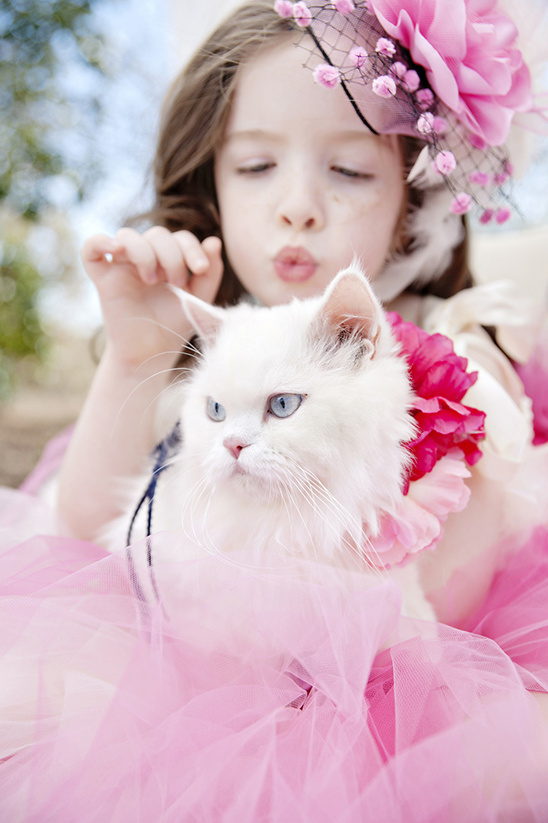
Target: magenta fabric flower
440	381
468	50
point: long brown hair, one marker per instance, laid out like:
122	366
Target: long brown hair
193	122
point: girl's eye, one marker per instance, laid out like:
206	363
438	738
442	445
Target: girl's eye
352	173
284	405
255	168
215	411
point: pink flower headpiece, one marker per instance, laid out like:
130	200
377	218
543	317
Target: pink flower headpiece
448	73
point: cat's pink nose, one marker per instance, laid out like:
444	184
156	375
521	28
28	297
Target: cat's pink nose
234	446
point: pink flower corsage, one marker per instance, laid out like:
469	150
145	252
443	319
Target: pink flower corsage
448	437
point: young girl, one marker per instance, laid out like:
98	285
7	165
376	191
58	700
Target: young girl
270	178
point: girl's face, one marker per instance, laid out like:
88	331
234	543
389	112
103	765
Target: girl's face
302	185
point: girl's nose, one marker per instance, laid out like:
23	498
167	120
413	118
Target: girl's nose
300	206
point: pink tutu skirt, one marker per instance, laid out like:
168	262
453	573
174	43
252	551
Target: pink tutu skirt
207	690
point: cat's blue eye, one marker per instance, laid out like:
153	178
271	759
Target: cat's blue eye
215	411
284	405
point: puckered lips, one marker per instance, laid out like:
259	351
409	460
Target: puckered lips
294	264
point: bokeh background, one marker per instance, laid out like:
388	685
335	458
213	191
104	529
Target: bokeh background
81	84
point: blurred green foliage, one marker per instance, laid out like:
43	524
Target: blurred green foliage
21	334
49	54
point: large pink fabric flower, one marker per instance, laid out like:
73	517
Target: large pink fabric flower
467	49
440	381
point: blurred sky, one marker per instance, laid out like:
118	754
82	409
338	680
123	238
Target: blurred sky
149	40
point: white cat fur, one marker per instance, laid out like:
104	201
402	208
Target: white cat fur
314	483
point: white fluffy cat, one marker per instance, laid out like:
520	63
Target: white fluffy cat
293	427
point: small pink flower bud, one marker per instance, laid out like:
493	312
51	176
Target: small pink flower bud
326	75
445	162
386	47
425	123
344	6
500	178
398	70
302	15
502	216
425	98
461	204
480	178
384	86
284	8
486	216
411	80
358	56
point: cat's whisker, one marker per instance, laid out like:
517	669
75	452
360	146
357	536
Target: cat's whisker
316	490
140	385
165	327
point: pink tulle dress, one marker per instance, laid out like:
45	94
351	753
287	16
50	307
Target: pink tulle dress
140	691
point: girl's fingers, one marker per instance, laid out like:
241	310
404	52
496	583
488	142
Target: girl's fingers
169	256
94	250
206	287
195	258
132	247
160	255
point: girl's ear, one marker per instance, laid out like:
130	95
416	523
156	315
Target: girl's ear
350	310
205	318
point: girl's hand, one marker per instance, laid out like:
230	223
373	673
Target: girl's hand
143	318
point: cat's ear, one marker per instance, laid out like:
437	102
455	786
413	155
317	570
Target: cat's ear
205	318
350	310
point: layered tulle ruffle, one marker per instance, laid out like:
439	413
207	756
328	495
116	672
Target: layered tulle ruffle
208	690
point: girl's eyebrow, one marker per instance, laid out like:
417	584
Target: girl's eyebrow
253	134
346	136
